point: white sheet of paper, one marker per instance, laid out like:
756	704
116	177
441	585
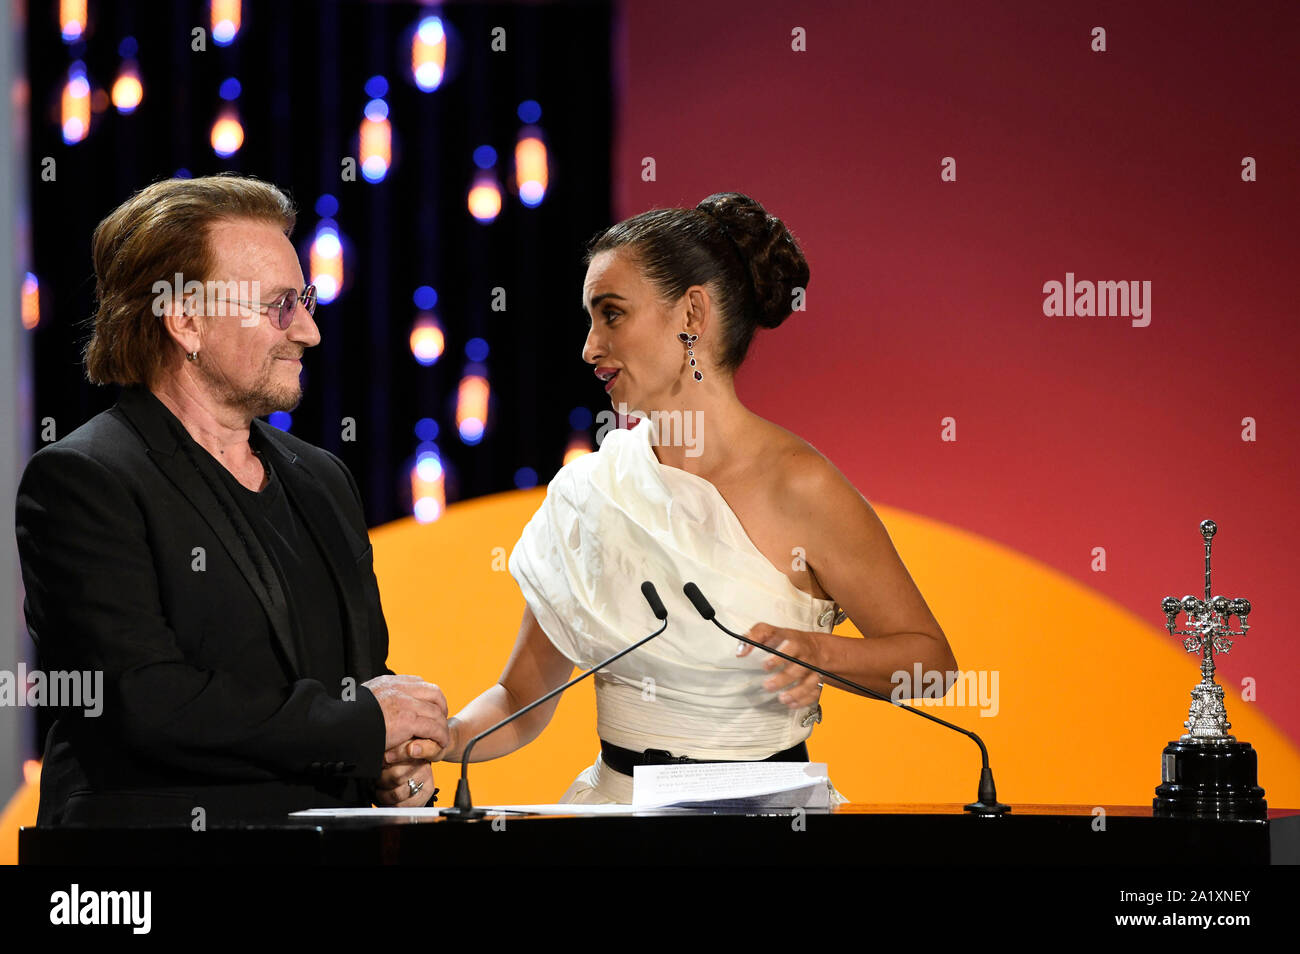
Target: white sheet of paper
747	784
366	813
433	812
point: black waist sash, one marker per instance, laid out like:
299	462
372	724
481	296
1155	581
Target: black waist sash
623	760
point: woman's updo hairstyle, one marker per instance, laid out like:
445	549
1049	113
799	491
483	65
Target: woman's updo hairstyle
728	242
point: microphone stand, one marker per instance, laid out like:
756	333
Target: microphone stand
985	805
464	809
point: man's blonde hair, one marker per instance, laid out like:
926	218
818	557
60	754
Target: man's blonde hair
158	233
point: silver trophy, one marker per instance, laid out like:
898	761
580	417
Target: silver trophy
1207	772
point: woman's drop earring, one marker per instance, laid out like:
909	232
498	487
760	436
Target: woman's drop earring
689	341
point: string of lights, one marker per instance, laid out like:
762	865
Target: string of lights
449	365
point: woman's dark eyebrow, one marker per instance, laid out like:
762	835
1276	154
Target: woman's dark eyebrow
596	300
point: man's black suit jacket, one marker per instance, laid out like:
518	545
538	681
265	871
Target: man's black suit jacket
139	563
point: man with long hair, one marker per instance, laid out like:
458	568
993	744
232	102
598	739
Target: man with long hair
216	571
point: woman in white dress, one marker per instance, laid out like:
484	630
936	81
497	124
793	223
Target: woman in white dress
702	490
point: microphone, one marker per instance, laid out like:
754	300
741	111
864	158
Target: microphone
986	804
464	808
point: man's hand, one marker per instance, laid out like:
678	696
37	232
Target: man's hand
413	709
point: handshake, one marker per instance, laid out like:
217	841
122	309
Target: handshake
416	734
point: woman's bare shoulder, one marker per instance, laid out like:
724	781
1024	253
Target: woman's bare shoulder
804	474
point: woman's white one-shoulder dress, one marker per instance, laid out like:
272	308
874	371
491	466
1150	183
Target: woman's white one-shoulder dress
614	518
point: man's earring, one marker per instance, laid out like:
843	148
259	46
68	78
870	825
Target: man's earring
193	356
689	341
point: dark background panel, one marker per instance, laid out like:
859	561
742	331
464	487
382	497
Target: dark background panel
303	68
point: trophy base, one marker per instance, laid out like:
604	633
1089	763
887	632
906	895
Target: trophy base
1209	780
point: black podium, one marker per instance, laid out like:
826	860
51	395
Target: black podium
857	834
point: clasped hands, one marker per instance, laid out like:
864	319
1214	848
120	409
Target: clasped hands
415	735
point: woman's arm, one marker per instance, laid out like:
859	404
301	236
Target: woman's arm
535	668
851	555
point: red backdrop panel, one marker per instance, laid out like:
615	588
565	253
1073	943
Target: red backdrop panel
926	296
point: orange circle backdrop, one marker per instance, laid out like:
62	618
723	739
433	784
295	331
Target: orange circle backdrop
1080	695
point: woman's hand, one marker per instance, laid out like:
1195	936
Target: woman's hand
798	687
394	784
411	761
414	750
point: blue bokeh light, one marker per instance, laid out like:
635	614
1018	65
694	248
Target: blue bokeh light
531	194
431	31
525	477
429	467
471	431
530	111
428	76
230	89
485	157
426	429
376	87
476	349
425	297
580	419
